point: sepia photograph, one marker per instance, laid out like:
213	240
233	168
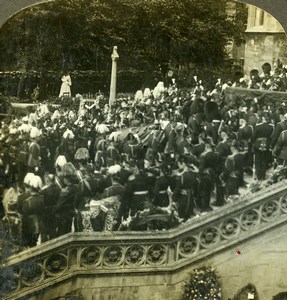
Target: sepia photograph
143	149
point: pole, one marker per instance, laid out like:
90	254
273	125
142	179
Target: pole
113	86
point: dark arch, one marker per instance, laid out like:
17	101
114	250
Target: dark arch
277	8
280	296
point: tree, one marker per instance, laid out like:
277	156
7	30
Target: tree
80	34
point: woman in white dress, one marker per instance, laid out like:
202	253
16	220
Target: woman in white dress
66	86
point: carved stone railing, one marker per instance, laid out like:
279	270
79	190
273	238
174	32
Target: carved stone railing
106	254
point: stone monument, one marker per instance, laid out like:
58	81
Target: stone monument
113	86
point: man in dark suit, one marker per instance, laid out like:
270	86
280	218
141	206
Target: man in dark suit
278	129
261	144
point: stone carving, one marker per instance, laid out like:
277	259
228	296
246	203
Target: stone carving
270	210
249	219
188	246
91	256
230	228
9	284
113	256
209	237
283	203
56	264
156	254
31	273
135	255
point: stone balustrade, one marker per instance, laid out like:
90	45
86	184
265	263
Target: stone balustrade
152	252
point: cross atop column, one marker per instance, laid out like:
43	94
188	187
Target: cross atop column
113	86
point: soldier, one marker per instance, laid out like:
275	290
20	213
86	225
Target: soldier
51	193
33	211
261	143
223	150
280	149
162	183
234	168
116	189
112	153
22	158
65	207
186	188
244	138
281	126
100	145
139	189
34	151
208	174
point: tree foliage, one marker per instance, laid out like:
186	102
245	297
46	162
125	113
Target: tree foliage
80	34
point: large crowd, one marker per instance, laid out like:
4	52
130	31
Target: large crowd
165	150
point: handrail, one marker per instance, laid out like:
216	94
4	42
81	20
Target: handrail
108	253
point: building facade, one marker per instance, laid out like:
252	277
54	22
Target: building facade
265	40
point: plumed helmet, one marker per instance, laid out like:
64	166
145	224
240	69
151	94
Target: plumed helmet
115	169
35	132
102	128
13	130
60	161
24	128
68	134
147	92
36	182
82	154
28	177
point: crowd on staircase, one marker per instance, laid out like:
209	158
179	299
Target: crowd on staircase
168	152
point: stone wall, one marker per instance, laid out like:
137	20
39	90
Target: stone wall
261	262
264	47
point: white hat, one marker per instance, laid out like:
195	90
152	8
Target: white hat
12	131
28	177
68	134
36	182
25	119
102	128
24	128
35	132
60	161
112	170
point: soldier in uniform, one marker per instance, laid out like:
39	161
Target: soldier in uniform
162	183
139	189
22	158
281	126
33	211
51	193
244	138
223	150
208	175
261	143
116	189
34	151
100	145
186	188
65	207
280	149
234	169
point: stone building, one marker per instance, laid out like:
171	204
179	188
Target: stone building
265	40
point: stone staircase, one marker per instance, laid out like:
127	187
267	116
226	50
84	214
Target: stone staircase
143	253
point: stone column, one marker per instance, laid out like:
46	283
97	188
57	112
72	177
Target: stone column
113	86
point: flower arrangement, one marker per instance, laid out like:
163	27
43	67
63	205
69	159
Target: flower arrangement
202	284
279	174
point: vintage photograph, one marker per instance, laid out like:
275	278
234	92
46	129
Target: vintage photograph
143	149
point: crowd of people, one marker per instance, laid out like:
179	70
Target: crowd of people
184	152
